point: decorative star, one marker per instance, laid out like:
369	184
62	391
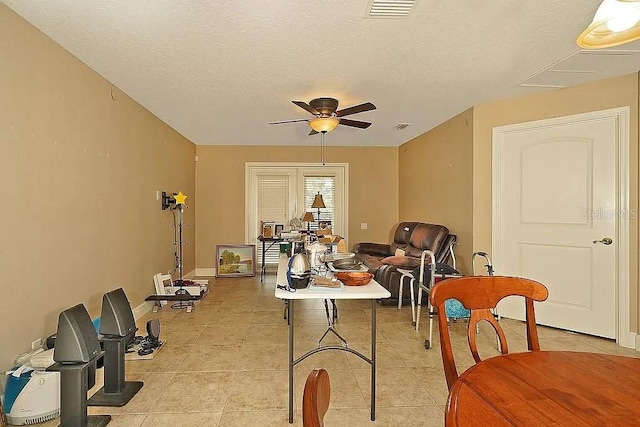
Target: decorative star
180	198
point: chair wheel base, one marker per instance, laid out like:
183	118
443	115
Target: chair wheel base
427	344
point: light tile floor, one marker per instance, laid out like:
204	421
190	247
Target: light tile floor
225	364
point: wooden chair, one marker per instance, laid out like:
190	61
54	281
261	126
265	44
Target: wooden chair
480	294
315	399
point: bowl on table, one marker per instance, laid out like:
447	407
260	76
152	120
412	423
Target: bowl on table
332	257
346	263
359	278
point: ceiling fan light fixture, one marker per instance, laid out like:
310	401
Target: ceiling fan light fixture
616	22
323	124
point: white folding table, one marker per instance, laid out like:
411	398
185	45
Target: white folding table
372	291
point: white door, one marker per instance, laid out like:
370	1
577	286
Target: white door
556	204
278	192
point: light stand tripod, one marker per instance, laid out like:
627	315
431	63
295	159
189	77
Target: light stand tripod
178	246
177	203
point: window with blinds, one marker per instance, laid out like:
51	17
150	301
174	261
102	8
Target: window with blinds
273	206
326	186
273	198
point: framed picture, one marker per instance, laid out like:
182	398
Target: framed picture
267	228
235	260
279	229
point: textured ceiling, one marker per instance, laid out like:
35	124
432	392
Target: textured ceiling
218	71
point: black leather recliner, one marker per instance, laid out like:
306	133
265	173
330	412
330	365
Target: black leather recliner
410	239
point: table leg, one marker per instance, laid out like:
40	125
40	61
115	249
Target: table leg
290	320
373	360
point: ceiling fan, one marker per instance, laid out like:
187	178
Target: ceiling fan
327	115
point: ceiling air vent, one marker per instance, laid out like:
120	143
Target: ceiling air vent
389	8
402	125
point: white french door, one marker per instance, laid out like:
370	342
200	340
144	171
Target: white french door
277	193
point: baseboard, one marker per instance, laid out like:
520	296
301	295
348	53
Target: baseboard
629	340
637	342
202	272
142	309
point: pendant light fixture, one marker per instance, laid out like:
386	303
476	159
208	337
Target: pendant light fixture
616	22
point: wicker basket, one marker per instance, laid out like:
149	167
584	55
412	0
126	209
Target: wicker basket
354	278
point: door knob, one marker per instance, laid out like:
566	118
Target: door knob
606	241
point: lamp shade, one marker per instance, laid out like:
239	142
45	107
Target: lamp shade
616	22
323	124
308	217
318	202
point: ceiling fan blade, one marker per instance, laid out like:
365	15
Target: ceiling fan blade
367	106
313	132
307	107
355	123
288	121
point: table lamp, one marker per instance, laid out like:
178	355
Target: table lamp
318	203
308	217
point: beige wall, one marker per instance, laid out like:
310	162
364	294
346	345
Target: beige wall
436	174
373	190
611	93
80	171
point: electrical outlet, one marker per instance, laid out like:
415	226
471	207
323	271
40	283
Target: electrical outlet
363	226
158	194
36	344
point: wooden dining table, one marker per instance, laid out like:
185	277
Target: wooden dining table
547	388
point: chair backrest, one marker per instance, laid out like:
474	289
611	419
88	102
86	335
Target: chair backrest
426	236
315	399
402	235
480	294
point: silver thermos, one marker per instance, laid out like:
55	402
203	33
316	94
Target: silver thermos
298	271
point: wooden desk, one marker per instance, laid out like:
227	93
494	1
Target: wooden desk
372	291
547	388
